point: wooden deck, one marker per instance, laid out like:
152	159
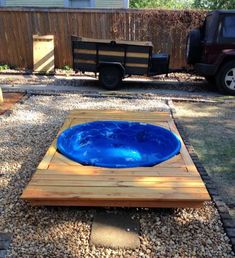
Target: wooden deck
59	181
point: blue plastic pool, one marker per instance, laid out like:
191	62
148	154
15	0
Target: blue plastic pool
118	144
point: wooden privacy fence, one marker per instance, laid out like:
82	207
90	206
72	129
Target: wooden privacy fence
166	29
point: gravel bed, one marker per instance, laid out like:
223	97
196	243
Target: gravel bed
174	81
177	86
25	136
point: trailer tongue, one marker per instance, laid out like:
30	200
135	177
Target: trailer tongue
115	60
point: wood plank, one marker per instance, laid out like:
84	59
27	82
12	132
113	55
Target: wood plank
127	42
137	65
185	155
61	160
111	53
148	171
120	203
114	193
43	53
77	121
114	111
175	161
137	183
120	117
52	150
156	121
91	113
79	61
83	61
46	175
91	173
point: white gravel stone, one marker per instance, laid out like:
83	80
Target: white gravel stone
64	232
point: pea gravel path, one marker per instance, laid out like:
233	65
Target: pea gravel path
64	232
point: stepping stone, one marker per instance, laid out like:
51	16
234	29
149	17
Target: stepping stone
115	231
3	254
4	244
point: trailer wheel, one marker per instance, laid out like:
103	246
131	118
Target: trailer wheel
110	77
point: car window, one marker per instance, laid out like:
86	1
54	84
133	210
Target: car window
229	27
209	21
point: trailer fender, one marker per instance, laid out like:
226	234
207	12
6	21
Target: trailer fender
119	65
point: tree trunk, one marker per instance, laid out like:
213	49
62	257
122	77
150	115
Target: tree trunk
1	96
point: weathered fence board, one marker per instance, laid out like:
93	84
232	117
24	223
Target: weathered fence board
166	29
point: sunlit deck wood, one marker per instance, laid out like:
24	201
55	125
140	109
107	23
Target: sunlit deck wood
59	181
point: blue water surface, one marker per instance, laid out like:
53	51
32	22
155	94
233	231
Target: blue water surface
118	144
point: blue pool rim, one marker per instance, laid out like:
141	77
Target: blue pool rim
63	151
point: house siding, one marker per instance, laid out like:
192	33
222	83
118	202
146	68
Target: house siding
67	3
110	4
79	3
37	3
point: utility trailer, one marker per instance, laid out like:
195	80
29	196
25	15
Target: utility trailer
115	60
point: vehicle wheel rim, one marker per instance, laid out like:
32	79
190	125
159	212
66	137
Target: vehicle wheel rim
230	79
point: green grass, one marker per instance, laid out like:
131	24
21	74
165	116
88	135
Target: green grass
66	68
211	131
224	97
4	67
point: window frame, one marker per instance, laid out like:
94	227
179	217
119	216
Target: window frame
221	26
2	2
68	3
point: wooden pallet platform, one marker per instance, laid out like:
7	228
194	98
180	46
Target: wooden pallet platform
59	181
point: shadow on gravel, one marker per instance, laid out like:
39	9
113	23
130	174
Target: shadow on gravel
171	83
132	84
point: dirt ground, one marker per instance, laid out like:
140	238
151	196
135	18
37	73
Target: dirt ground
9	101
211	130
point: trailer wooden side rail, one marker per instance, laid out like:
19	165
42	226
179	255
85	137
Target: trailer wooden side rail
88	54
59	181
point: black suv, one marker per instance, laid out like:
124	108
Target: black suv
211	50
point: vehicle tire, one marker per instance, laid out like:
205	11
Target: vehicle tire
225	79
210	79
193	47
110	77
211	82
